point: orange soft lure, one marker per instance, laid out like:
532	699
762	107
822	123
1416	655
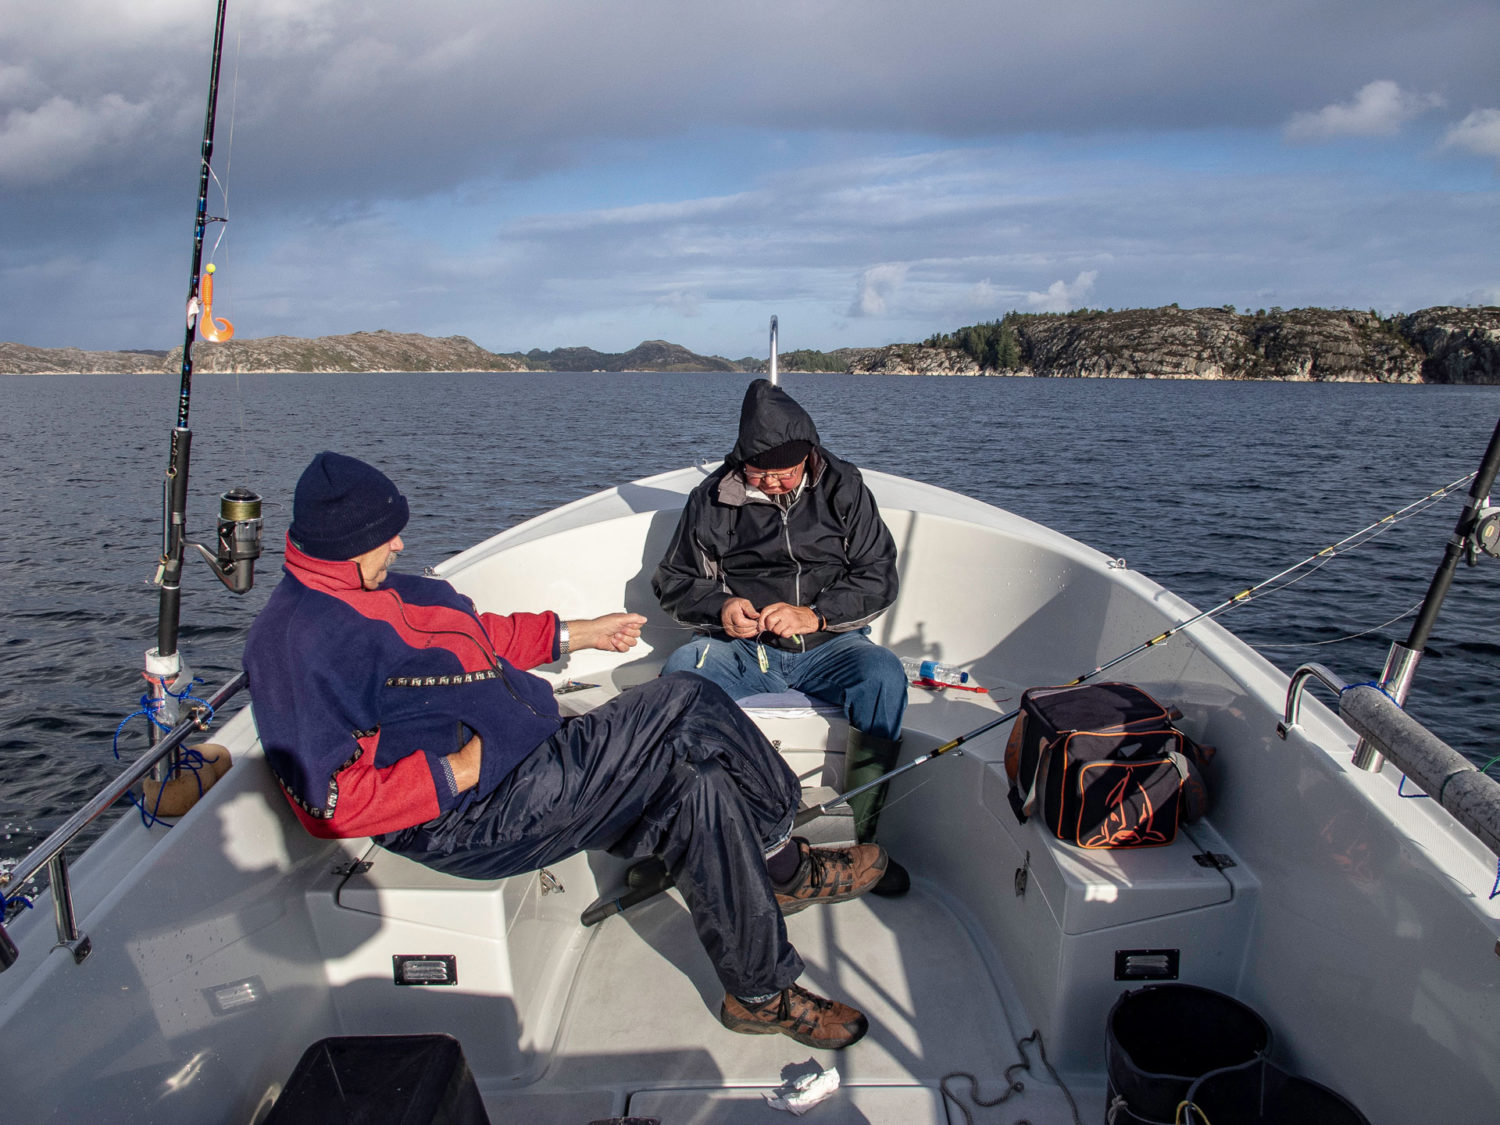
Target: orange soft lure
215	331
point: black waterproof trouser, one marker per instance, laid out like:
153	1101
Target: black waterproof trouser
671	768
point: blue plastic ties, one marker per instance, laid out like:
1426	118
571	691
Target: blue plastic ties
1377	686
1401	791
190	760
1495	890
27	904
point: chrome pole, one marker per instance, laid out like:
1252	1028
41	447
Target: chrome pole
62	910
772	368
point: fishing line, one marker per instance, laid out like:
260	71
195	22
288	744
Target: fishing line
1379	528
234	91
1351	636
1314	562
910	791
239	389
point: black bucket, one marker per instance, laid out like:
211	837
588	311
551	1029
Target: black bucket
1264	1094
1164	1037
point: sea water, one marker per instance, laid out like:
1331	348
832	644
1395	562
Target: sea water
1206	487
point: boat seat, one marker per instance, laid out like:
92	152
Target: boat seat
508	949
810	733
1092	923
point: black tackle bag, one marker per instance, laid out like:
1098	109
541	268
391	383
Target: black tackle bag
1104	766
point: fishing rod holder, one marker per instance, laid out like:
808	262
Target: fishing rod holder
1395	681
50	853
239	535
1478	529
1468	794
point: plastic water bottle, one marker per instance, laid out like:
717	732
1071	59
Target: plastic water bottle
933	672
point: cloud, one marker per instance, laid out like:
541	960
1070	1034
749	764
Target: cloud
1060	296
683	304
1479	133
45	143
1380	109
877	285
1483	295
984	295
583	171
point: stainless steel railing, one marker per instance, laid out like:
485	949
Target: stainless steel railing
51	853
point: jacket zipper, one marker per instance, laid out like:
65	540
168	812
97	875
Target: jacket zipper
786	533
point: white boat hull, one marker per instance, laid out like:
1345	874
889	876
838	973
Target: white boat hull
1357	922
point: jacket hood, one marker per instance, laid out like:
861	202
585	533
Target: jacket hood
769	417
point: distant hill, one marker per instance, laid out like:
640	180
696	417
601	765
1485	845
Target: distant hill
649	355
1437	345
359	351
21	359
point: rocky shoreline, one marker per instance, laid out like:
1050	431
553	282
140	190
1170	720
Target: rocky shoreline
1438	345
1445	344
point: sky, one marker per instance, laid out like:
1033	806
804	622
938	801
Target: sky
596	173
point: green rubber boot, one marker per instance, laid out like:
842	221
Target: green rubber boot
866	757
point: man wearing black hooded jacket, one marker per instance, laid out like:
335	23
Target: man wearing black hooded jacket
781	561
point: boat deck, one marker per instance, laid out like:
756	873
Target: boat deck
640	1032
640	1035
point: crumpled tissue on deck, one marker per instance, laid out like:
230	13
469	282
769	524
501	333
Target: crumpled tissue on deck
800	1094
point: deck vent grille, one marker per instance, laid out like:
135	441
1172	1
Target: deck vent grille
1146	964
425	968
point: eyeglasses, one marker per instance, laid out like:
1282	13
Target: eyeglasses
782	476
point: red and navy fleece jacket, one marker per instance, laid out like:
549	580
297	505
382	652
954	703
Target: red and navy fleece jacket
359	695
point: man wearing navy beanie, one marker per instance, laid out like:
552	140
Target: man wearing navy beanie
389	706
344	507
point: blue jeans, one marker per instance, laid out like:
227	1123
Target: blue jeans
851	670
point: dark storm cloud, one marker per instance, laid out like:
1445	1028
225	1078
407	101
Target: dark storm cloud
381	98
334	113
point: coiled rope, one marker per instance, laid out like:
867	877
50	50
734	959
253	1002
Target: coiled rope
1013	1086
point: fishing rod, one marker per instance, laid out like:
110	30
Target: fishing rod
1477	530
1321	557
649	877
239	524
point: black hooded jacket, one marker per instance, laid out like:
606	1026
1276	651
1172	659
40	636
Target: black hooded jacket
824	547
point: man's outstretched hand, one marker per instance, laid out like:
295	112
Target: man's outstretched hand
614	632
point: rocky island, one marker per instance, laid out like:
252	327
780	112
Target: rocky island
1446	344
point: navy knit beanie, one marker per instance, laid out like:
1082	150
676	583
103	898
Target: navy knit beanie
344	507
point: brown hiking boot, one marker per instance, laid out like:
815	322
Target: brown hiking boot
830	875
805	1016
